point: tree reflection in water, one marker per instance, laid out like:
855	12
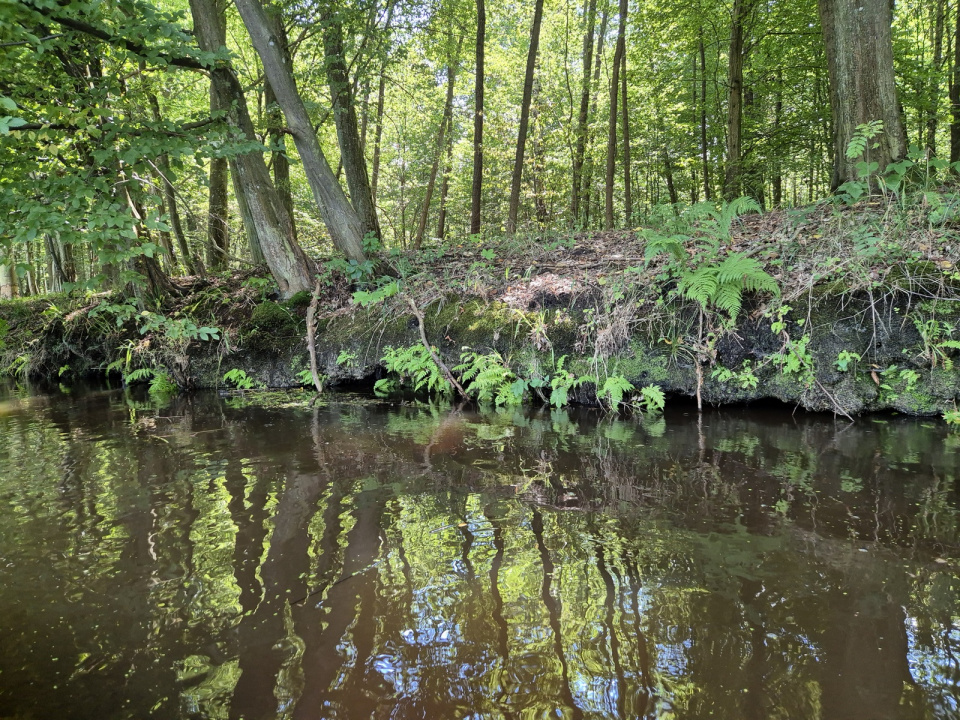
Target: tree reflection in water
358	561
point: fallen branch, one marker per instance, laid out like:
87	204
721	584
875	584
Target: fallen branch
837	408
436	358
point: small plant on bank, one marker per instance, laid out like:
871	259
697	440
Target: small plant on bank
414	365
613	390
952	418
744	378
488	379
162	387
239	379
845	358
651	399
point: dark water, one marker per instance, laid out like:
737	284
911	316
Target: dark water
362	561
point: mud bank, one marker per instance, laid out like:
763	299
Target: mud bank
822	352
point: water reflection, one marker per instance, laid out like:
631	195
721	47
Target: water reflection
212	560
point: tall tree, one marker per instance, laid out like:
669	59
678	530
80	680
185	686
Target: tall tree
285	258
345	119
445	122
731	178
625	130
955	94
476	191
580	146
859	47
612	125
274	116
703	118
343	224
524	118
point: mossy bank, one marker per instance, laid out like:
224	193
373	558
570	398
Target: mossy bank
844	353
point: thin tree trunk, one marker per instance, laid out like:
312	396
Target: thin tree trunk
378	124
476	191
608	221
445	182
955	94
668	175
285	258
934	92
514	207
581	132
274	115
431	182
625	122
861	91
703	120
590	162
777	116
345	119
731	179
343	224
8	281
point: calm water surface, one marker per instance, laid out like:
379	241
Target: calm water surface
213	559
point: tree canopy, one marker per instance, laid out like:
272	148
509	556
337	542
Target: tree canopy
354	126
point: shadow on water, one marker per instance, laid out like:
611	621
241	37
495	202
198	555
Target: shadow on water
218	560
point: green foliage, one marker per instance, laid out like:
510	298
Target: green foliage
347	358
651	399
705	278
722	286
487	378
239	379
952	418
844	358
365	298
562	381
162	386
262	285
4	329
796	360
744	378
415	366
862	136
613	390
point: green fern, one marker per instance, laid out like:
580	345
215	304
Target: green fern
415	364
488	379
613	390
657	243
722	286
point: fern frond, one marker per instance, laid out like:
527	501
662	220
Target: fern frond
139	375
699	285
734	209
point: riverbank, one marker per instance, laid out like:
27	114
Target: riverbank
849	309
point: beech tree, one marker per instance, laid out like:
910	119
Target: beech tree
859	47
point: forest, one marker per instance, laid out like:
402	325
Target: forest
143	140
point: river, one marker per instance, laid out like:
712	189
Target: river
225	558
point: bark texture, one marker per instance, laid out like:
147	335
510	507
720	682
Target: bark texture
258	198
859	48
476	190
342	222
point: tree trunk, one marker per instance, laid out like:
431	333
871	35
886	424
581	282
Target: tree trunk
274	115
587	186
731	178
581	131
476	190
345	119
859	47
777	168
668	176
285	258
378	125
431	182
955	95
8	281
514	207
218	230
445	182
703	120
343	224
608	221
625	122
934	92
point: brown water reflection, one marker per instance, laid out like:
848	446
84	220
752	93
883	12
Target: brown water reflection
211	560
